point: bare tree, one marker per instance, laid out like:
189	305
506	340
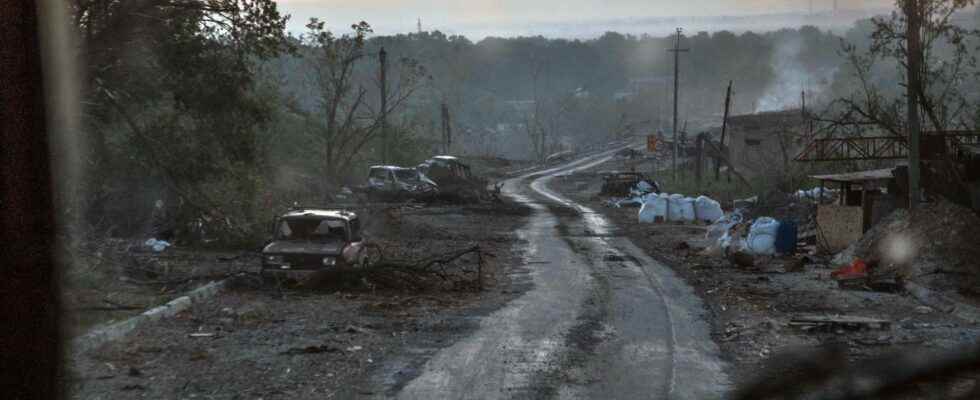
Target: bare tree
938	68
947	62
348	122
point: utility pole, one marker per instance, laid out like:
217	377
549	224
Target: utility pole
699	148
803	103
385	151
447	130
677	52
913	25
724	127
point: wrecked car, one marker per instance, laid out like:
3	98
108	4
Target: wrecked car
559	156
391	182
619	184
455	180
445	168
630	154
314	239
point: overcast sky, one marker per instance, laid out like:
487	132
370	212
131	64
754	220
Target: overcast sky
477	18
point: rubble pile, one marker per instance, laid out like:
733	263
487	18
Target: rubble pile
935	245
783	206
799	208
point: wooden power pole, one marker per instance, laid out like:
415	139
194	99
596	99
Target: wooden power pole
385	146
699	148
677	52
447	130
913	30
724	127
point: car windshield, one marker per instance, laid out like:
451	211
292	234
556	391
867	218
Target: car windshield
319	230
407	174
378	173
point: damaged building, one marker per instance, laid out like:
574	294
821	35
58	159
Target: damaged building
757	142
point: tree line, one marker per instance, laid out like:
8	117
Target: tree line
212	106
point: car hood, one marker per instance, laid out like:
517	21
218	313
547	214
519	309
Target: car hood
301	247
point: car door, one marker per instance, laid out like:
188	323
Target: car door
353	252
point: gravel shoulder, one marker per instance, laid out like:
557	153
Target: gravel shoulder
750	309
318	339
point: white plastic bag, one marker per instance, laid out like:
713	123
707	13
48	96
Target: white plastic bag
688	213
731	240
654	205
661	203
648	212
157	245
762	236
721	227
708	209
644	187
674	212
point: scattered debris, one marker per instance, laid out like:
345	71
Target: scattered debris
627	184
930	298
934	247
856	270
157	245
311	350
838	322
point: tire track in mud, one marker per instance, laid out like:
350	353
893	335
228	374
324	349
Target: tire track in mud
605	324
601	320
681	355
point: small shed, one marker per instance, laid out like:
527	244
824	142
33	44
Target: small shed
861	204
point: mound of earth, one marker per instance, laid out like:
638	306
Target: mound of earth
937	245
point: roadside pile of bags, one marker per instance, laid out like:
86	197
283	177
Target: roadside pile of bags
762	236
678	208
637	194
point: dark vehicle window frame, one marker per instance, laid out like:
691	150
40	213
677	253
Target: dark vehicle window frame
277	233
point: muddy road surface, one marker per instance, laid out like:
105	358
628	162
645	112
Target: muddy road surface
567	308
602	320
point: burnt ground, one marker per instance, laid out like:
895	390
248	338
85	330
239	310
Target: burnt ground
314	338
750	309
110	279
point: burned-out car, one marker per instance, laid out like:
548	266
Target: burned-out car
445	169
392	182
620	184
314	239
456	181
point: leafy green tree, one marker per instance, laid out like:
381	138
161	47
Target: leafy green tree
170	100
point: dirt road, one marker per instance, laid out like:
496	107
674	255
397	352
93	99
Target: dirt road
569	311
603	320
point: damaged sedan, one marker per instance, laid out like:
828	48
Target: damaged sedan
314	239
392	182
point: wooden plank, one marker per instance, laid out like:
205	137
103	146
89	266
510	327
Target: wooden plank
839	225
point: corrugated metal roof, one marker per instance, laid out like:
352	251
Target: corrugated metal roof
858	176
